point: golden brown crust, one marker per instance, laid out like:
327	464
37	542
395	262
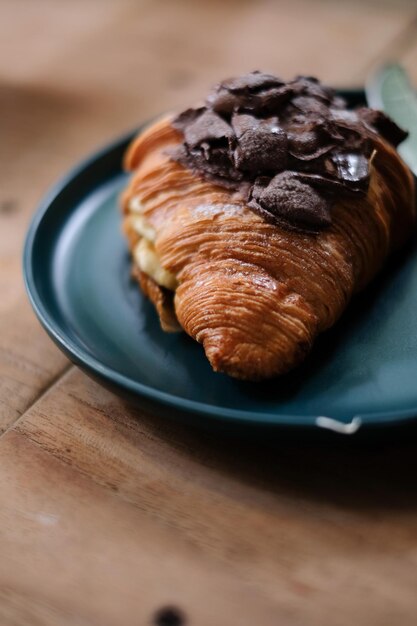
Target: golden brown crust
254	294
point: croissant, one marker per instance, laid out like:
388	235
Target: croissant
253	287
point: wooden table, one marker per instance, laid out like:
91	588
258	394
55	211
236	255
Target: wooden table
109	516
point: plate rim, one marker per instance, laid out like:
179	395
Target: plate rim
95	367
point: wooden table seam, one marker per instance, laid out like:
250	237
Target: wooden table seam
55	380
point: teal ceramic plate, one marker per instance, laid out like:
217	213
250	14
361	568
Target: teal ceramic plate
362	373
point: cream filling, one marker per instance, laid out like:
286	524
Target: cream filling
135	205
144	253
143	228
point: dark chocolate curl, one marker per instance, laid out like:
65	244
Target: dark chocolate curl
261	150
310	105
242	122
254	81
222	101
289	199
187	117
352	168
384	125
329	185
306	146
208	127
310	86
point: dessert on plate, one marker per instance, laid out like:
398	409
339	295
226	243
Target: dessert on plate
255	216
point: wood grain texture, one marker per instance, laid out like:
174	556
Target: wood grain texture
107	514
78	572
302	534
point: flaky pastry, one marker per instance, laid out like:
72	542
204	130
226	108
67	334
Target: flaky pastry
251	280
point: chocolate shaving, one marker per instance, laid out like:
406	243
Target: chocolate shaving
242	122
292	200
261	149
255	81
207	127
187	117
384	125
352	168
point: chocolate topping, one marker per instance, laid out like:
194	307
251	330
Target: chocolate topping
288	147
208	127
352	168
288	199
253	82
261	149
384	125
